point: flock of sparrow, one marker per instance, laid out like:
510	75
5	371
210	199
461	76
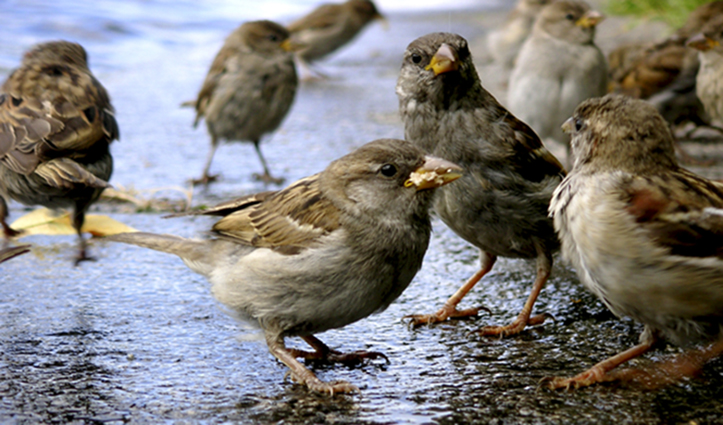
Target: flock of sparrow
643	234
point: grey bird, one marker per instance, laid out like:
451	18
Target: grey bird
56	126
558	67
248	91
326	251
643	234
500	203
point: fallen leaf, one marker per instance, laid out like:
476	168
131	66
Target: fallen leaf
48	222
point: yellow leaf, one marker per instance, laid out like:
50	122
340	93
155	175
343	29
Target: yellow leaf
48	222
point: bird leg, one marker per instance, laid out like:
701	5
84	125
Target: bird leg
206	178
301	374
672	370
78	219
544	266
266	177
324	353
449	309
8	231
599	372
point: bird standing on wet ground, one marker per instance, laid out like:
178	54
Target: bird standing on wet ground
248	91
644	234
56	125
329	27
325	252
500	203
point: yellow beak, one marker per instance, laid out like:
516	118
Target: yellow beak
435	172
291	46
590	19
444	60
702	42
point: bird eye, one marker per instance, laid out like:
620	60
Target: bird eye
388	170
272	37
579	124
570	17
416	58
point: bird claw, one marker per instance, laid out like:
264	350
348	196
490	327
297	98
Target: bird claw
443	314
268	178
205	180
82	258
513	328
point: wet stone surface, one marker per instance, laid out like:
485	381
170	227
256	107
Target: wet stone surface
137	337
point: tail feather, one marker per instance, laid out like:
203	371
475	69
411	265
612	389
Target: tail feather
195	253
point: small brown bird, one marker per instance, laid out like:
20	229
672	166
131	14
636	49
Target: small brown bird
643	70
56	125
709	81
500	203
329	27
645	235
14	251
505	42
326	251
248	90
558	67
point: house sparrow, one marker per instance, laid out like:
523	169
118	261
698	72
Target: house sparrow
500	203
56	124
13	251
504	43
645	69
248	90
710	74
329	27
326	251
558	67
644	234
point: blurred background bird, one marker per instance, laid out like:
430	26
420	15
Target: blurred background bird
664	72
709	80
329	27
558	67
248	91
643	234
56	126
504	43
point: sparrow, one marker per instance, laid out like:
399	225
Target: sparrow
13	251
644	234
558	67
710	74
326	251
56	126
642	70
249	90
500	203
505	42
329	27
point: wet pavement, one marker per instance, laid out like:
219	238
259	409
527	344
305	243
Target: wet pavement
137	337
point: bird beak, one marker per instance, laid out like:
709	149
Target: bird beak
292	46
590	19
445	60
702	42
568	126
435	172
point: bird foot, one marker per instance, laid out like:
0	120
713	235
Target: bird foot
591	376
329	388
9	232
205	180
82	257
268	179
333	356
513	328
444	313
